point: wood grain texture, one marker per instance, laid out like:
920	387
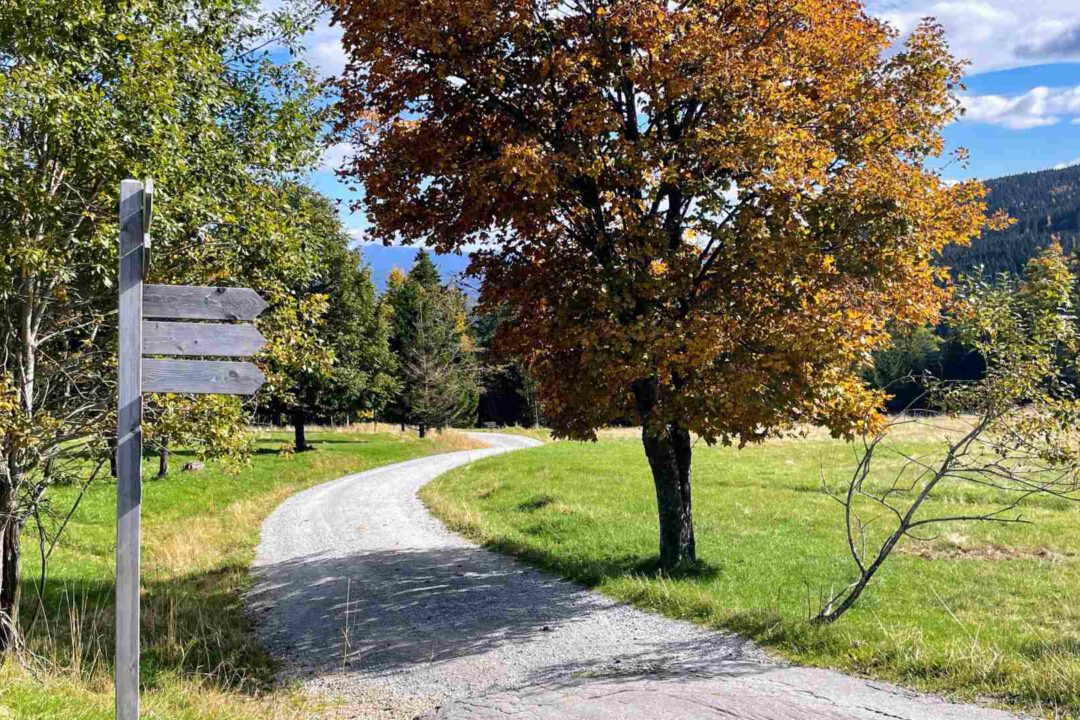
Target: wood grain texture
219	377
191	302
191	339
129	450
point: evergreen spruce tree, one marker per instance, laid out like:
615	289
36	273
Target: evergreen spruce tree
437	370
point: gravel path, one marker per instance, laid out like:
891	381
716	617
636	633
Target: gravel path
366	597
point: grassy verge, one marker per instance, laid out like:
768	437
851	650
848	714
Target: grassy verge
201	660
985	612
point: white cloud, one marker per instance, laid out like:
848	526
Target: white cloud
995	34
1062	166
334	157
1038	107
324	49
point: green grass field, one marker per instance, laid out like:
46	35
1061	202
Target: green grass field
200	657
982	612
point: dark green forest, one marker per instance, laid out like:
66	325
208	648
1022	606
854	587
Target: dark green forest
1044	204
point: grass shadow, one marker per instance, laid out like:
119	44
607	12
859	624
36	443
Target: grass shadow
194	626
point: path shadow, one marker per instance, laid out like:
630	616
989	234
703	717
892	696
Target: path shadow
386	610
670	661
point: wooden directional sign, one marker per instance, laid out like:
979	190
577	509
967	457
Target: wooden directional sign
205	339
158	337
213	377
185	302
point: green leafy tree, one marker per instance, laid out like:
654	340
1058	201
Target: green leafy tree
509	391
341	363
214	425
362	380
92	91
912	352
438	373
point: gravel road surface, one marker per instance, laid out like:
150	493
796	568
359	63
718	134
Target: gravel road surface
366	597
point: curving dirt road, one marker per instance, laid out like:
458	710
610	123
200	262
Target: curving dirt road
366	597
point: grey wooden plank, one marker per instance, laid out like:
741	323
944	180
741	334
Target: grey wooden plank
190	339
129	451
190	302
201	377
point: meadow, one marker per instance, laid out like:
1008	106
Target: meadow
201	660
984	612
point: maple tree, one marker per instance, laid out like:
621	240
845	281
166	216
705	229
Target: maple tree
703	214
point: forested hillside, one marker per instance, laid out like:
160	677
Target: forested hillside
1044	204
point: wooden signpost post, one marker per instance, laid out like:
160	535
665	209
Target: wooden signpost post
160	337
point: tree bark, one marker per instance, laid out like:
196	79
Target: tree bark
668	449
422	430
163	459
10	571
299	438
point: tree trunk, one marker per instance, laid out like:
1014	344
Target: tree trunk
669	452
422	429
112	455
163	459
10	572
299	439
832	612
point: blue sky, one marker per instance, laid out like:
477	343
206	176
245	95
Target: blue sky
1022	97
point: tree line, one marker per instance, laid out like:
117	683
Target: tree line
409	356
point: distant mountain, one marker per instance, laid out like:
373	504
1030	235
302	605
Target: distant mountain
383	259
1044	204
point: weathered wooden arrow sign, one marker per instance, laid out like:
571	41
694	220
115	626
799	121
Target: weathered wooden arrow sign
217	335
206	339
187	302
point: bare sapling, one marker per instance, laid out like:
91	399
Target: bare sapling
1005	440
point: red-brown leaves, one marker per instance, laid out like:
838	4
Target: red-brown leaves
728	196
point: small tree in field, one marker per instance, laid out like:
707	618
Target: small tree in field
701	215
1013	435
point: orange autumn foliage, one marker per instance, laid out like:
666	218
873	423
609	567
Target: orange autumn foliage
727	198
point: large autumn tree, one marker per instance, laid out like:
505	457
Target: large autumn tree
701	214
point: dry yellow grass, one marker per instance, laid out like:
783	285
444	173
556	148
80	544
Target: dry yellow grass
906	428
198	544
